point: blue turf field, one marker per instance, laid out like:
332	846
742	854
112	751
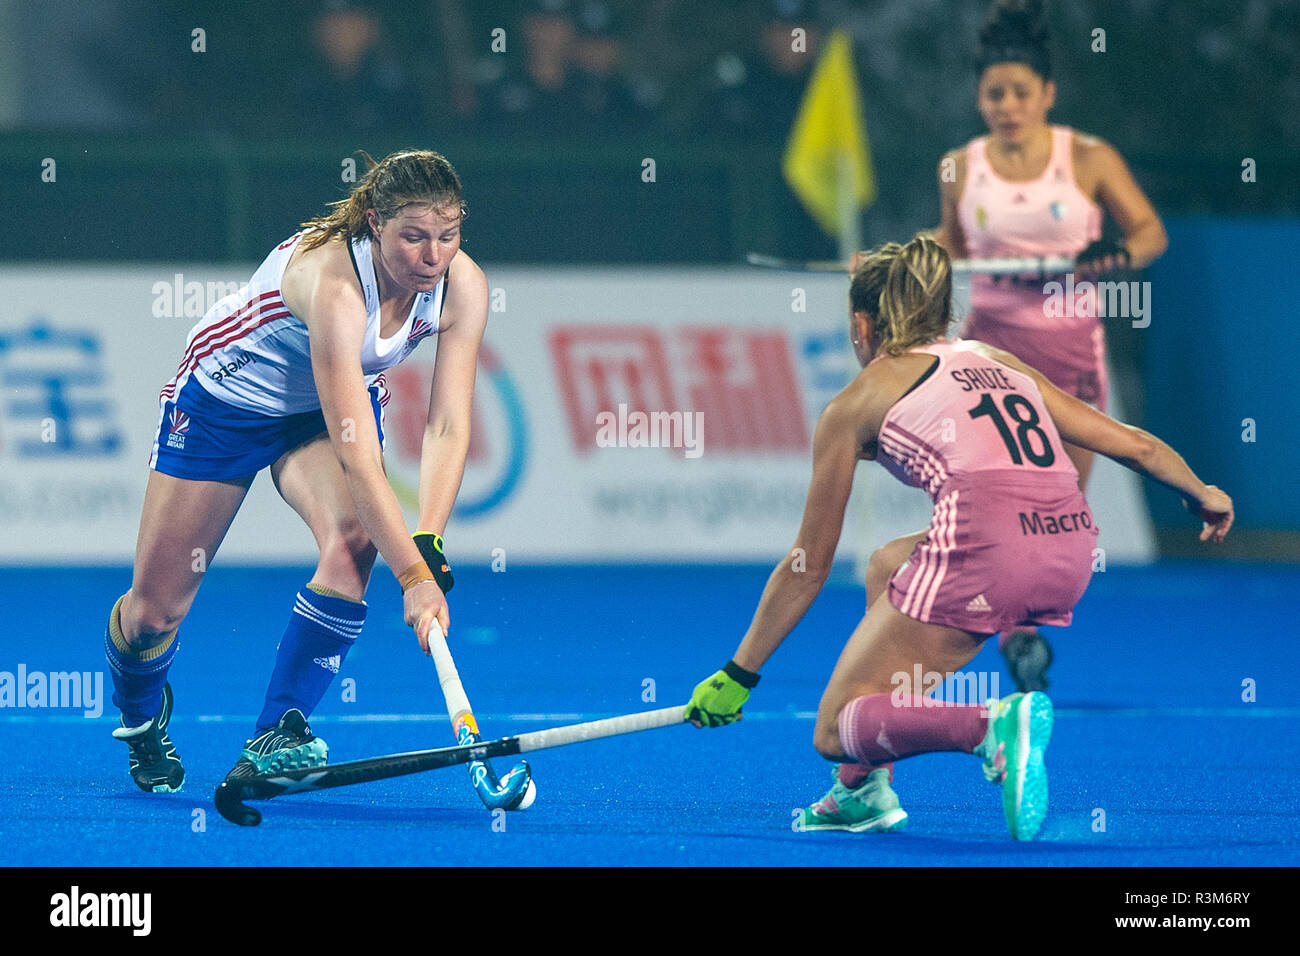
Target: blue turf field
1151	728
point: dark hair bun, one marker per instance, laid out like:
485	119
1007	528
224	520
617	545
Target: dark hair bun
1016	32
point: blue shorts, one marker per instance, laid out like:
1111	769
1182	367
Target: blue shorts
205	439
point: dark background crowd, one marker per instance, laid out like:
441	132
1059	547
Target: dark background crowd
543	99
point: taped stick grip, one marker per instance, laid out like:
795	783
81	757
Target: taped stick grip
448	677
596	729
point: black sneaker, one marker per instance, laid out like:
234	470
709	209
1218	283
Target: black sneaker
1028	656
289	745
154	766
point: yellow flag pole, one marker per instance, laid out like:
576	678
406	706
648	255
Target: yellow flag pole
850	236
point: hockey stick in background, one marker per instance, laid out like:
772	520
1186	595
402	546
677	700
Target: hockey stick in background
1022	265
231	794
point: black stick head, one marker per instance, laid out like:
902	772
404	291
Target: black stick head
229	801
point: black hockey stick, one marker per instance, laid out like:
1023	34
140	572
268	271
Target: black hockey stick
231	794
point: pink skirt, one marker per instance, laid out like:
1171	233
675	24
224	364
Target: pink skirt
1003	550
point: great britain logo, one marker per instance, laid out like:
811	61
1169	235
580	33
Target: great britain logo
419	330
179	426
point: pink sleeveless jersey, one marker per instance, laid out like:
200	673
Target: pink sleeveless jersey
970	417
1049	216
1011	537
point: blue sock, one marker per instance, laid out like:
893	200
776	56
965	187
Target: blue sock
321	631
137	682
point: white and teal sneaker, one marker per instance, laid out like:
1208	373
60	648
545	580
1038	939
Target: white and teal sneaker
1020	727
872	807
152	759
289	745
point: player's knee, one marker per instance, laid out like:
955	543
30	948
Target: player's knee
880	568
348	540
149	624
826	740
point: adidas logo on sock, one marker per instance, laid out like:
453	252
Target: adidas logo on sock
331	664
978	604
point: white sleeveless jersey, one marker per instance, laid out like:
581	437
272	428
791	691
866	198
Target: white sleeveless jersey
253	353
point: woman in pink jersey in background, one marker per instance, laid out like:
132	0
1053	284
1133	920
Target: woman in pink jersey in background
1029	188
1009	543
287	374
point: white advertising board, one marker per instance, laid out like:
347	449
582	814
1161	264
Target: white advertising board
658	415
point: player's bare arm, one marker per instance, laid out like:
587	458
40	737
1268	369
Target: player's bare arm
798	578
1114	188
330	303
447	427
1081	424
952	175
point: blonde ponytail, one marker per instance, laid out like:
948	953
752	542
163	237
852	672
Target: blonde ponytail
907	291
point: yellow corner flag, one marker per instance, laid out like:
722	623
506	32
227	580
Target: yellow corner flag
828	159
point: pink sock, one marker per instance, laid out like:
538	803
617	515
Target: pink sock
875	730
852	775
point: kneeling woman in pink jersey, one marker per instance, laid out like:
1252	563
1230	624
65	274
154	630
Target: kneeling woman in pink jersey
1010	543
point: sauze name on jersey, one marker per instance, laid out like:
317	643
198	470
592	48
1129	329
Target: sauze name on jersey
982	378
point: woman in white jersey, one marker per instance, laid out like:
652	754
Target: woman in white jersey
1029	188
288	375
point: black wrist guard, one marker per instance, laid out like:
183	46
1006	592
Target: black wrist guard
430	546
1101	248
744	678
